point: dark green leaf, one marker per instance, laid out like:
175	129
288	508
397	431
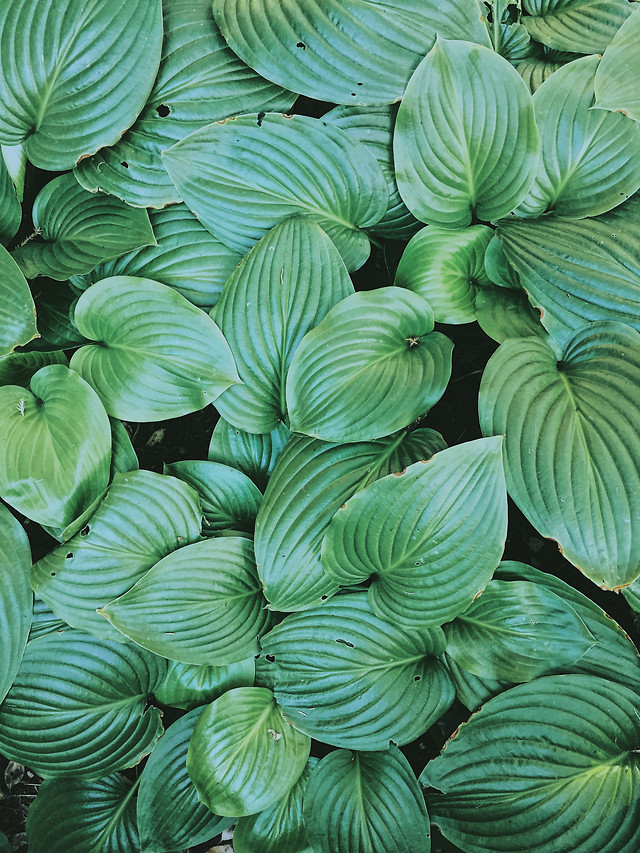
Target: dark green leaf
16	598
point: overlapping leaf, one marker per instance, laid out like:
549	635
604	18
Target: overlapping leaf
16	598
615	83
504	314
17	310
254	455
10	212
189	685
579	26
18	367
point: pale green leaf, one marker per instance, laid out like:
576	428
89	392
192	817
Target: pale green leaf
616	84
580	26
254	455
17	310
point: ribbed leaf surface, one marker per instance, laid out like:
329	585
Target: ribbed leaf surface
580	26
16	598
188	685
18	367
503	314
17	311
10	211
253	454
615	84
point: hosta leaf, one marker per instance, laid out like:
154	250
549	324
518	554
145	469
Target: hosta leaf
156	355
253	454
79	230
580	26
15	159
55	451
10	211
188	685
200	80
17	311
517	631
572	444
535	70
371	367
632	595
201	604
229	499
363	802
498	268
354	52
446	267
123	456
16	598
281	827
615	84
431	535
19	367
66	93
466	143
503	314
55	303
311	481
548	765
348	678
44	620
143	517
188	258
281	290
170	816
78	706
243	755
231	175
596	166
73	816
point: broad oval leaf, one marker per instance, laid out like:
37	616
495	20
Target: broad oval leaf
79	230
311	481
143	517
364	802
281	289
254	455
156	355
55	452
615	84
243	755
231	175
597	165
579	26
78	706
72	816
431	536
350	679
201	604
465	143
369	368
321	48
188	685
572	446
66	93
16	598
170	816
17	309
552	765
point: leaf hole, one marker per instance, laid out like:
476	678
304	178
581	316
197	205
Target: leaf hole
302	45
69	555
163	110
85	530
53	574
417	678
270	658
324	598
345	643
124	163
260	117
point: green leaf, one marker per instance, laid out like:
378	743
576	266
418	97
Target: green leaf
517	631
536	69
254	455
55	304
364	802
370	367
5	846
18	367
503	314
123	456
446	267
353	52
10	211
312	479
56	446
580	26
572	446
281	289
73	816
444	524
44	620
156	355
143	517
596	166
65	92
170	817
466	143
15	159
16	598
230	501
188	685
78	706
615	83
171	610
348	678
17	310
79	230
548	765
632	595
187	257
200	80
231	175
243	755
279	828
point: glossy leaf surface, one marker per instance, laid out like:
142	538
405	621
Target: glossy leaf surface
17	310
253	454
16	598
189	685
579	26
615	83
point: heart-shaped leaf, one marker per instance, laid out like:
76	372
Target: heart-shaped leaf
370	368
17	310
66	93
55	451
579	26
615	83
243	755
188	685
156	355
16	598
255	455
230	174
78	706
466	143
